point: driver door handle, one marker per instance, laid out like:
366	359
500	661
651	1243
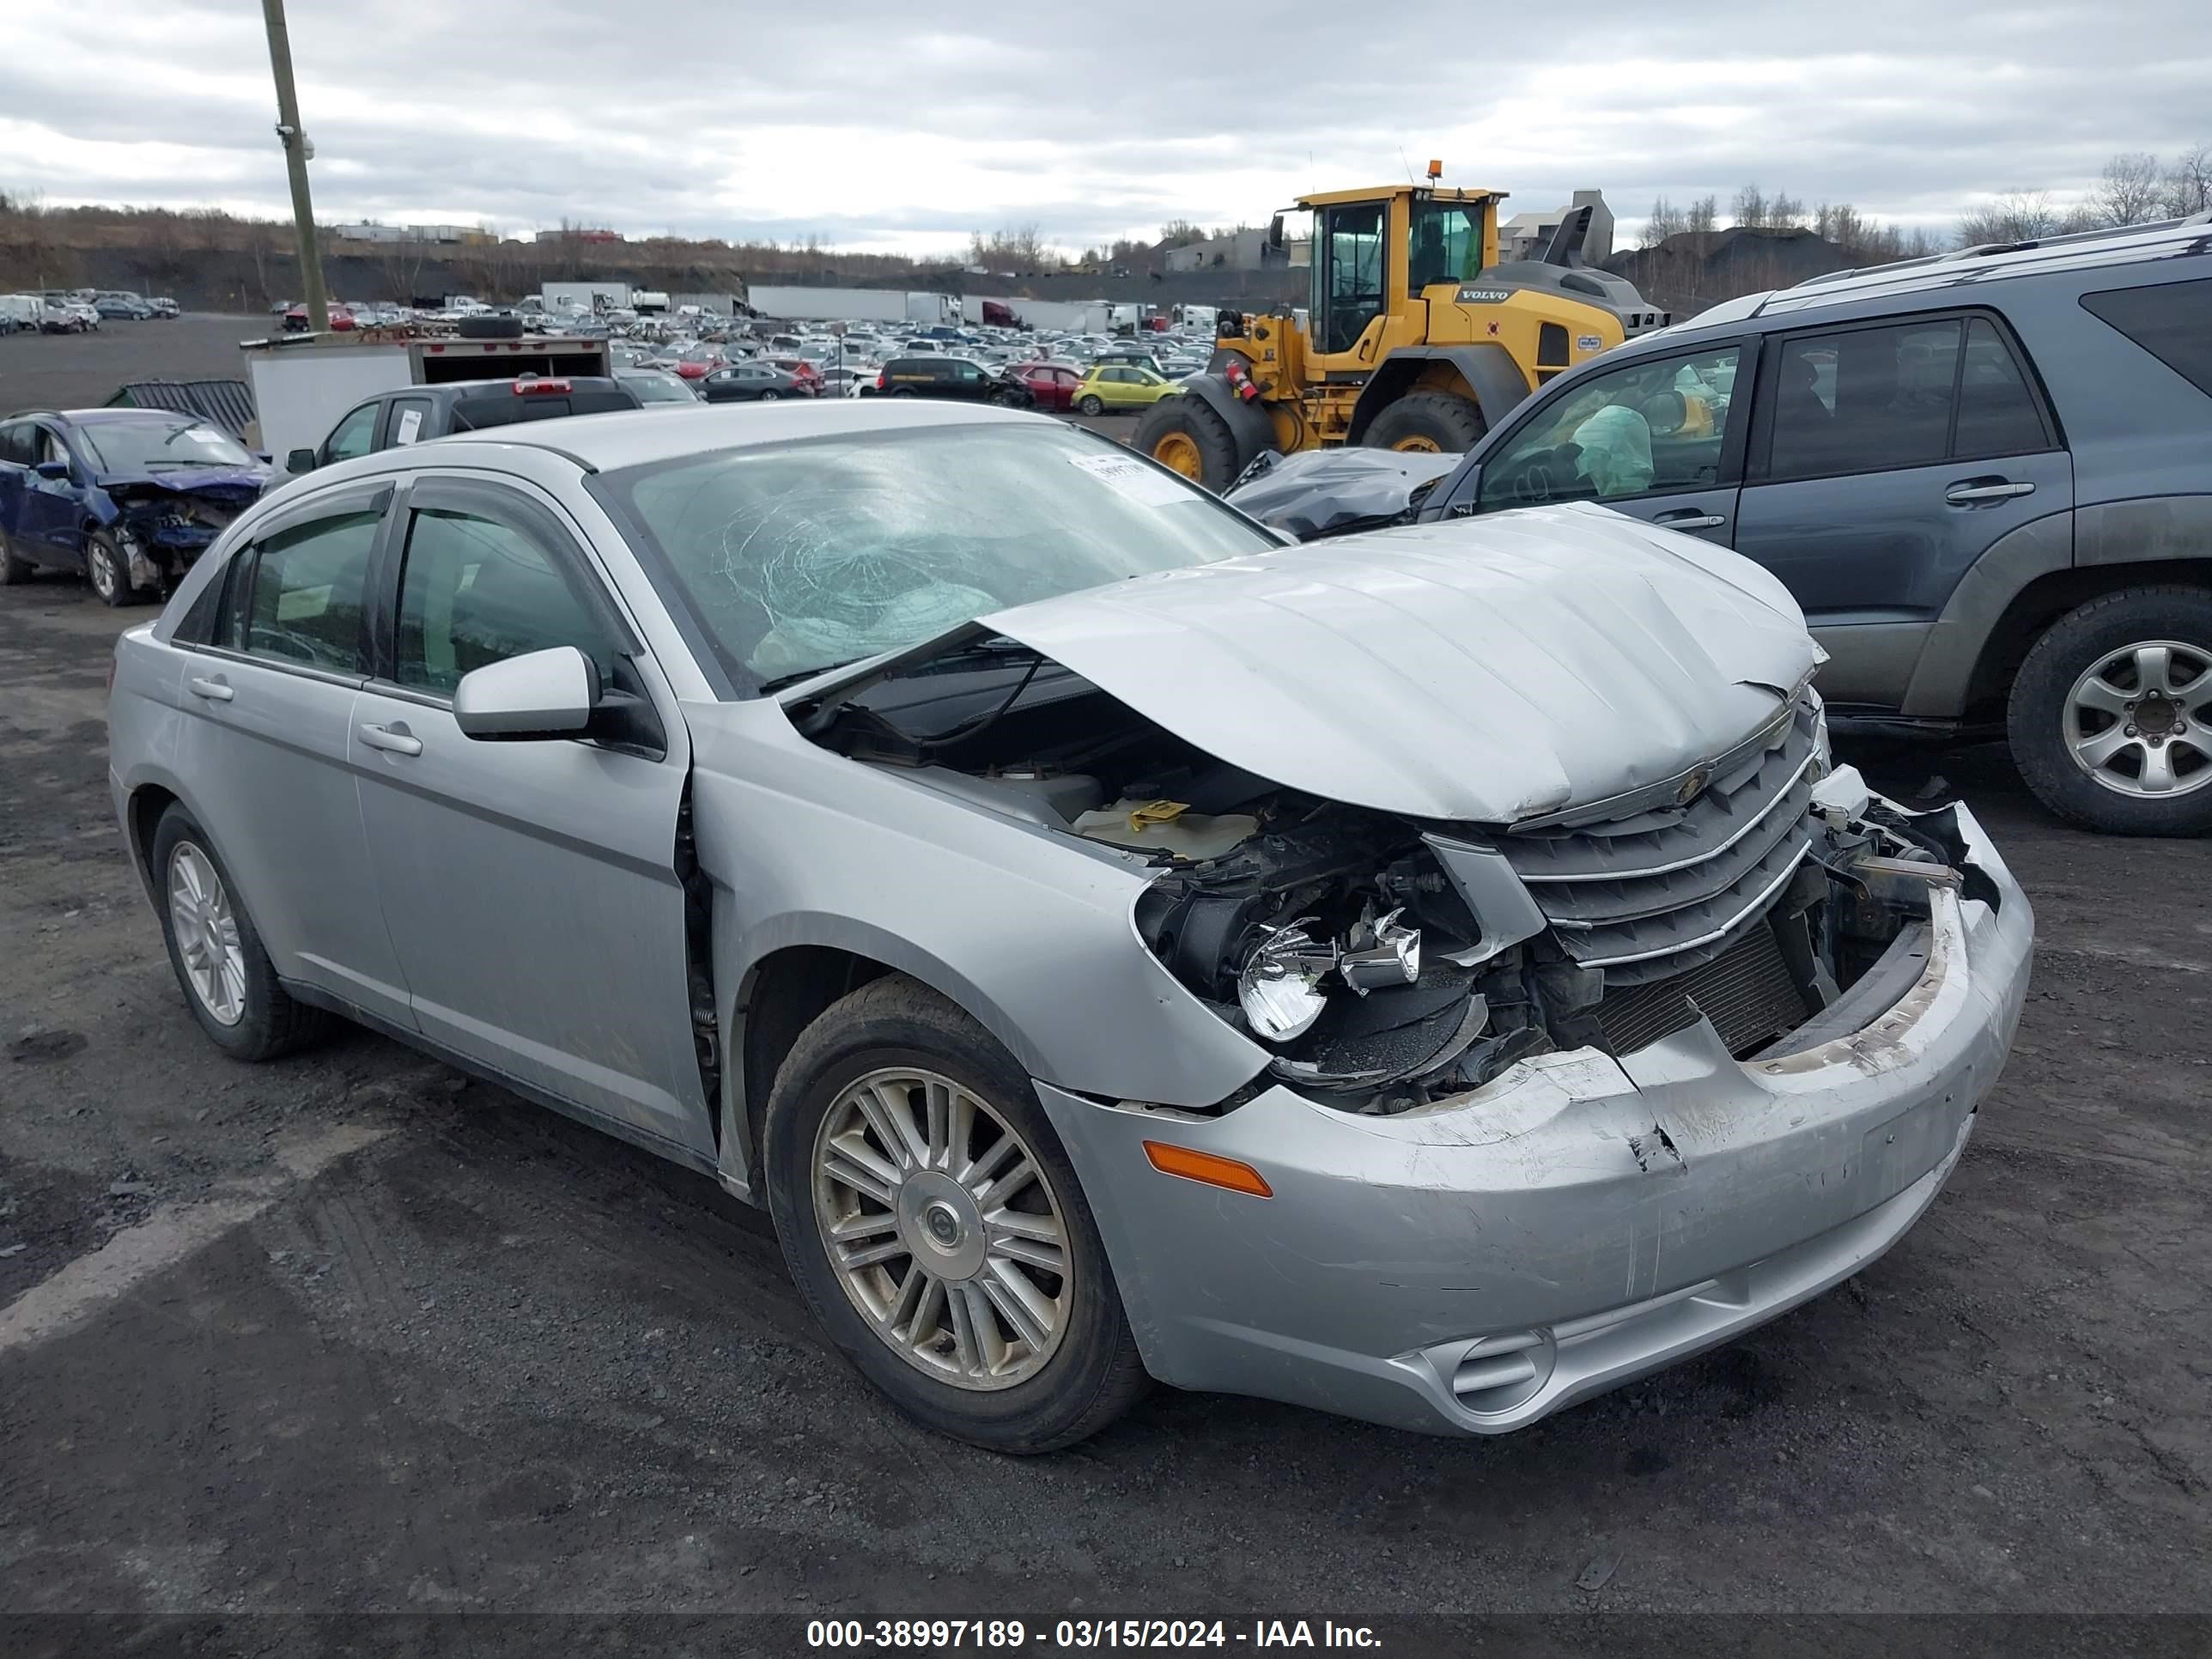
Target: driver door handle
213	690
395	739
1689	518
1968	495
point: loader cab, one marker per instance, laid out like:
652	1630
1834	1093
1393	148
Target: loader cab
1374	255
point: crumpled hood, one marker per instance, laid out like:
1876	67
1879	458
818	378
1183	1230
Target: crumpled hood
1319	492
234	486
1486	669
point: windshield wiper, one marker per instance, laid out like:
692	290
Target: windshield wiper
771	686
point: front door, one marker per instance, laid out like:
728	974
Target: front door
1659	439
53	509
269	708
1889	457
531	886
1350	269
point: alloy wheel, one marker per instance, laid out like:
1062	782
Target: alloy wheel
943	1228
2139	719
99	570
206	930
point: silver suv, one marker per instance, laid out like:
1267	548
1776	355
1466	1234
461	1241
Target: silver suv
1111	944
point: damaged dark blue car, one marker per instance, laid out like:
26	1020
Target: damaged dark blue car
127	497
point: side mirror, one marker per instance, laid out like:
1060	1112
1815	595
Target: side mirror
57	471
299	460
545	694
1275	232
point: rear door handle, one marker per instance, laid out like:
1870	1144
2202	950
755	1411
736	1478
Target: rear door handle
213	690
393	740
1690	518
1971	494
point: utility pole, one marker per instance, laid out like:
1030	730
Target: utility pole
297	149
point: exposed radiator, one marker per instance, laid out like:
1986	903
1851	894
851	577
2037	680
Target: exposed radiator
1746	991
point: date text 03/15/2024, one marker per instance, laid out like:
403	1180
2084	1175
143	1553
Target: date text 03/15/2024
1085	1633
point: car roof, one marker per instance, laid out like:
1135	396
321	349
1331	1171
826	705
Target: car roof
1967	268
107	416
608	443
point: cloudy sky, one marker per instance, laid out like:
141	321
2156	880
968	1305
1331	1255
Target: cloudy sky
903	126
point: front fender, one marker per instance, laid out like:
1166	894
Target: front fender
1029	930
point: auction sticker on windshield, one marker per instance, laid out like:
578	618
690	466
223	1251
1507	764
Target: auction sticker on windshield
411	422
1133	478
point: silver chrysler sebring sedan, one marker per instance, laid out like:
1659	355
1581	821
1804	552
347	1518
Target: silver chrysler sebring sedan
1432	976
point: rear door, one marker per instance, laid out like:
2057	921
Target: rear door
267	709
530	886
1660	439
1887	457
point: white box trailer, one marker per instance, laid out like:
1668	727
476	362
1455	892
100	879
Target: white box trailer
28	310
302	383
855	305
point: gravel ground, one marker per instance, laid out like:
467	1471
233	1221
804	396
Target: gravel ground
352	1332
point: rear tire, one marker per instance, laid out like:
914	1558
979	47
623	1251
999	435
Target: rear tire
1437	422
1090	406
903	392
967	1371
2080	689
267	1022
771	396
1186	434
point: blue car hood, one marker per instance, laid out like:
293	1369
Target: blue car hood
243	482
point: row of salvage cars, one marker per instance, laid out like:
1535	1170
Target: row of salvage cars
1433	975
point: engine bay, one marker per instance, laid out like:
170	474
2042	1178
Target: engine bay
1338	939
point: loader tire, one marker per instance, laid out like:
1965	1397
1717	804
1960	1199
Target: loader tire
1432	422
1186	434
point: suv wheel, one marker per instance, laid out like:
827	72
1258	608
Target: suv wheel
229	980
2111	715
936	1227
108	570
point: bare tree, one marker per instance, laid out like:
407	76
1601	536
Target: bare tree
1703	216
1666	220
2011	215
1748	210
2186	186
2129	191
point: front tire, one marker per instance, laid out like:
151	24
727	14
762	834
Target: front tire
2111	715
108	570
936	1227
1186	435
228	982
1429	423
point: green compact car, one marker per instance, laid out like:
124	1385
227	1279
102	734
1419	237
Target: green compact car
1121	385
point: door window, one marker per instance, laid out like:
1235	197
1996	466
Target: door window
1650	427
18	445
1447	245
300	599
474	591
1353	272
351	436
1998	414
1869	400
408	414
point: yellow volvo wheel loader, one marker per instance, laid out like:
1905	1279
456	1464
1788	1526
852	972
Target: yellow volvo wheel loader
1415	337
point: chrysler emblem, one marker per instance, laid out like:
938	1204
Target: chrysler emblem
1692	785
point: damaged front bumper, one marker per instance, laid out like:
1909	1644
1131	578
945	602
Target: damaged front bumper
1475	1264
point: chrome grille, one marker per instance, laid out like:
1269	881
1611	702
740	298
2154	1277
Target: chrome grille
1650	896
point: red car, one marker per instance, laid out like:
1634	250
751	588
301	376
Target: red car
295	320
1052	385
699	362
804	370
